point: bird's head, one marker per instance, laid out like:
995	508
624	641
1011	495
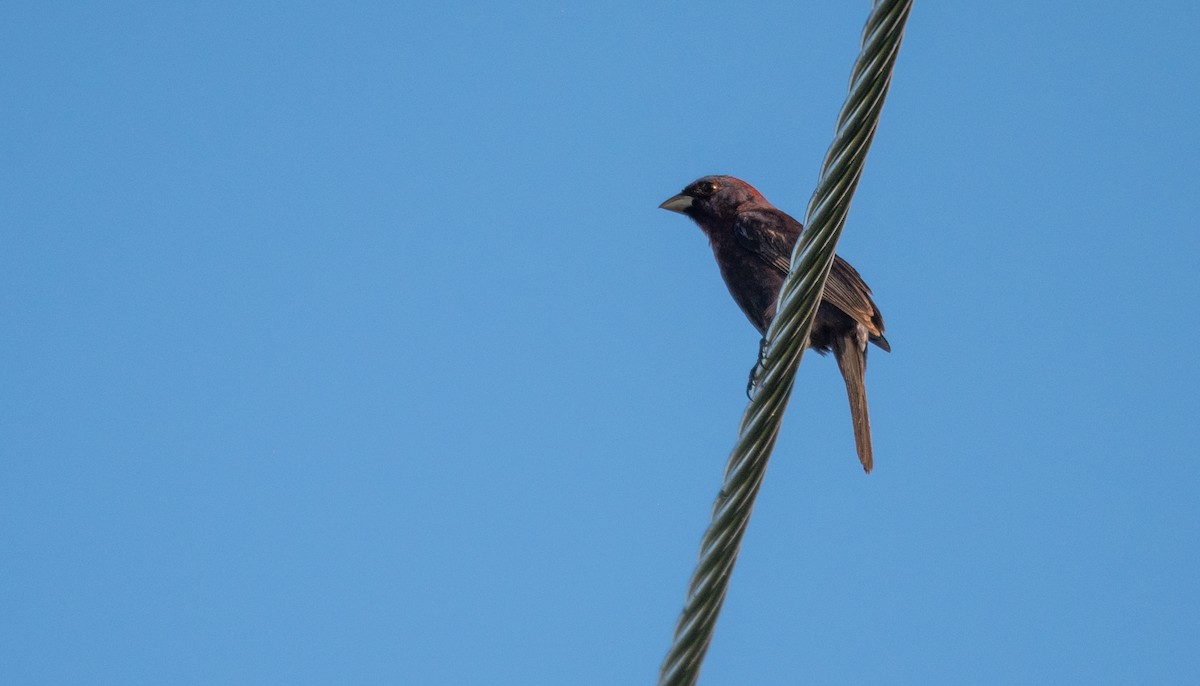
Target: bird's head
715	198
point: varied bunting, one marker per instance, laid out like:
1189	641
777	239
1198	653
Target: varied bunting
752	241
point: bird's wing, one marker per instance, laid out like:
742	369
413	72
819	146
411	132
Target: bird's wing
768	235
847	291
772	236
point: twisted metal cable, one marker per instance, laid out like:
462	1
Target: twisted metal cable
786	340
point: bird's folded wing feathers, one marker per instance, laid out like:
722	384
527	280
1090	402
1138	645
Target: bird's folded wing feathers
760	235
845	289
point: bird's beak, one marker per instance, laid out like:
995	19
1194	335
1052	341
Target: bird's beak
677	203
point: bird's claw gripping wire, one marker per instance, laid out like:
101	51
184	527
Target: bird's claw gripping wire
758	365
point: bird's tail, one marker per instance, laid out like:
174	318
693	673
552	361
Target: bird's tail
852	360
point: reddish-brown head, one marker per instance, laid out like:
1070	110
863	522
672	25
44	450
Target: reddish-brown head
714	199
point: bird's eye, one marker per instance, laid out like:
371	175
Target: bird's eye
708	187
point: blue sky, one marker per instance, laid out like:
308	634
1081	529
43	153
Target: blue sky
346	344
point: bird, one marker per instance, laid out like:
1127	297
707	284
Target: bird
752	241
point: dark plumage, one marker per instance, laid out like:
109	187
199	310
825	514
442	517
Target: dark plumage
752	241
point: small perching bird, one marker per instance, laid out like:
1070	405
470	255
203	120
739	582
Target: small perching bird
752	241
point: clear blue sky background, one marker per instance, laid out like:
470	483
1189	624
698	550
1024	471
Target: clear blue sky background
344	343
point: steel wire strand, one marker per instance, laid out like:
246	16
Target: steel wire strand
786	340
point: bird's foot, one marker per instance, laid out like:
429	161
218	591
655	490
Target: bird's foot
758	365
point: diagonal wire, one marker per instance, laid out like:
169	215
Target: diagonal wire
786	340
